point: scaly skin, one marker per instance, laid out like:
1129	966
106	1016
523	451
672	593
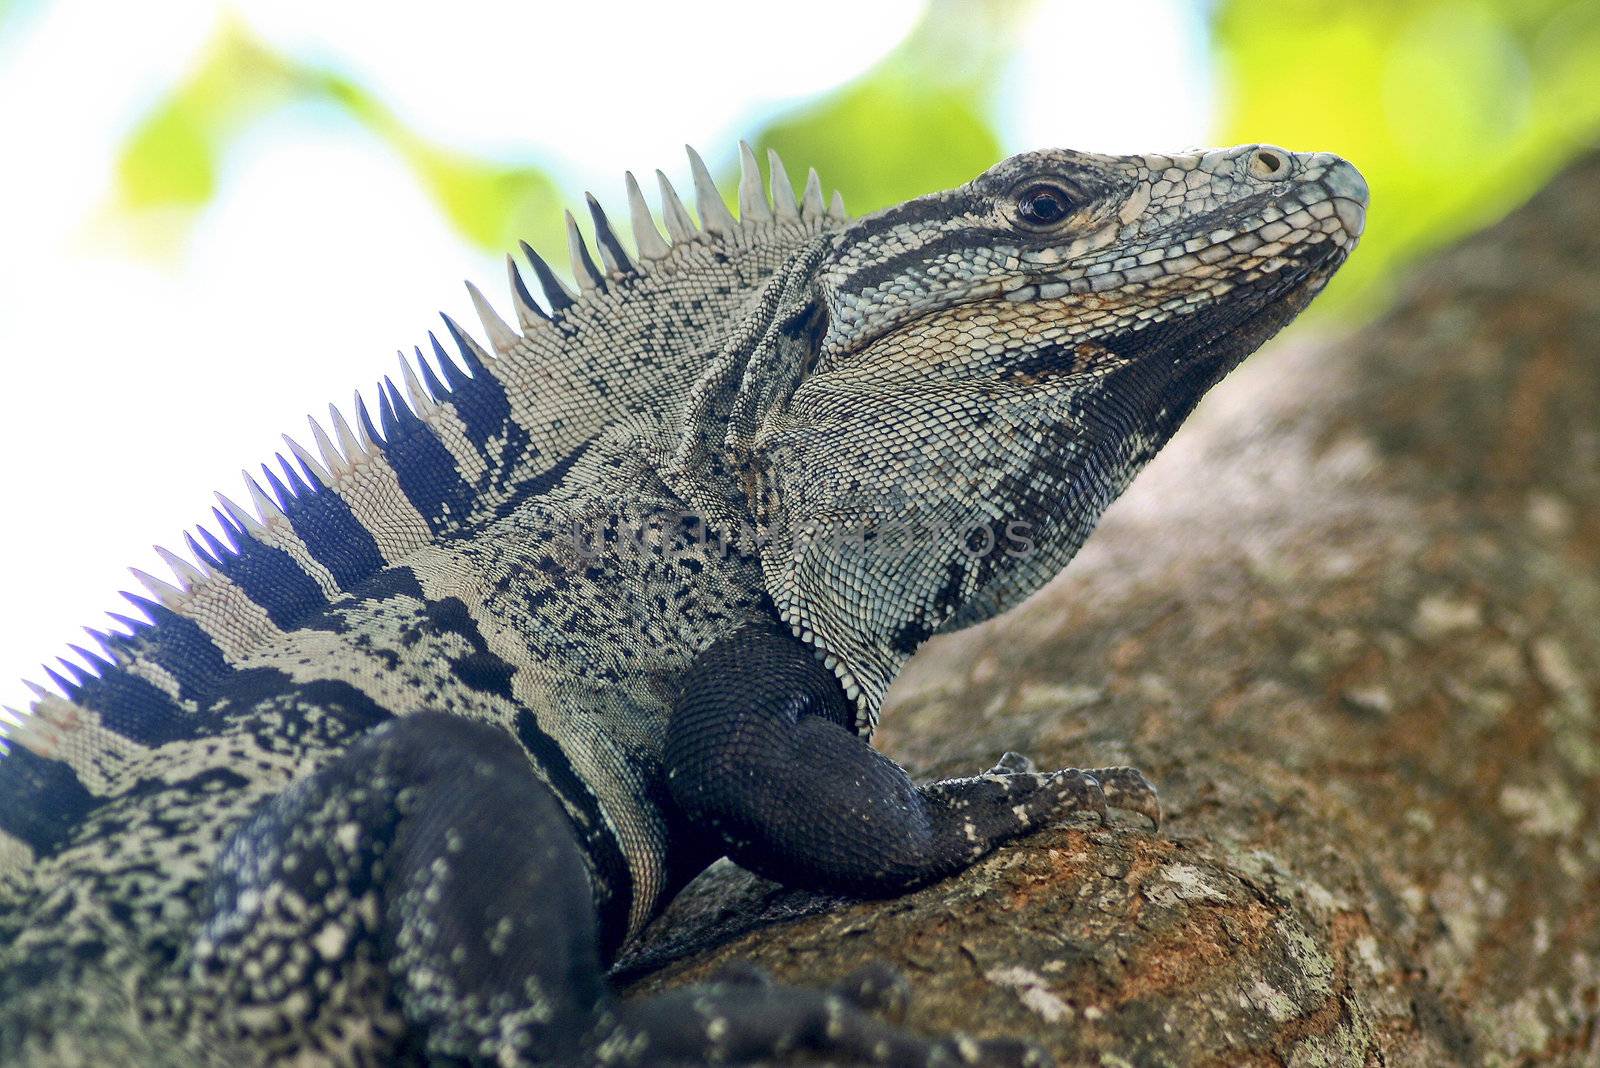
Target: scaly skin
394	774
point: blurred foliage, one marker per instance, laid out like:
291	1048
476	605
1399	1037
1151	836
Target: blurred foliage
15	15
917	121
168	168
1453	110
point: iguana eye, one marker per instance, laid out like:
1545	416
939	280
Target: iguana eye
1043	204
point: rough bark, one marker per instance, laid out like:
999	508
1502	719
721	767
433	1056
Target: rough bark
1350	624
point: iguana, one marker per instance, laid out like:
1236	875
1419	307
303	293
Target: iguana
406	753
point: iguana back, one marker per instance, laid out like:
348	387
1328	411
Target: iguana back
276	600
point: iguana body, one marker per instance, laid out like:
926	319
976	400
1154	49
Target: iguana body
394	773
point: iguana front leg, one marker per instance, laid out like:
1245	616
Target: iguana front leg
432	893
760	754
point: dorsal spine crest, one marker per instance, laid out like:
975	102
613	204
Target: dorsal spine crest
344	461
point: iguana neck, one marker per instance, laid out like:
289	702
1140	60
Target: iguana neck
716	461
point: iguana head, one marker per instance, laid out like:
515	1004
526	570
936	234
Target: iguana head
989	366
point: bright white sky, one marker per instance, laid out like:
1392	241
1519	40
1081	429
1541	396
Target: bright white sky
135	388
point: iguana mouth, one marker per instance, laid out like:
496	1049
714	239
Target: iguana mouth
1277	302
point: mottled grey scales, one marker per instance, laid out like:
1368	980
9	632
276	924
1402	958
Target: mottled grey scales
409	749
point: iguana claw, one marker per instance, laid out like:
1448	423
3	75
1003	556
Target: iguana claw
1128	789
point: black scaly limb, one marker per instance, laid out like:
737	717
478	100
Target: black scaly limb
761	751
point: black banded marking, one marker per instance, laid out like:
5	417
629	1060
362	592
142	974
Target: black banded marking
180	647
424	469
334	537
554	292
385	584
913	213
551	477
614	889
390	582
966	210
919	259
605	236
135	709
269	576
480	669
340	701
590	268
344	702
485	412
42	801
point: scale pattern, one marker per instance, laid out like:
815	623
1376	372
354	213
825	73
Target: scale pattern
410	747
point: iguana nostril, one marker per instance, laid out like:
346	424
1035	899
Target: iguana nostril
1269	163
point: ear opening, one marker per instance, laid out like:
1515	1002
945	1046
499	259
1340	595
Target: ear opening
816	328
782	359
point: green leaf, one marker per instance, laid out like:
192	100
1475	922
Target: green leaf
169	161
172	157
